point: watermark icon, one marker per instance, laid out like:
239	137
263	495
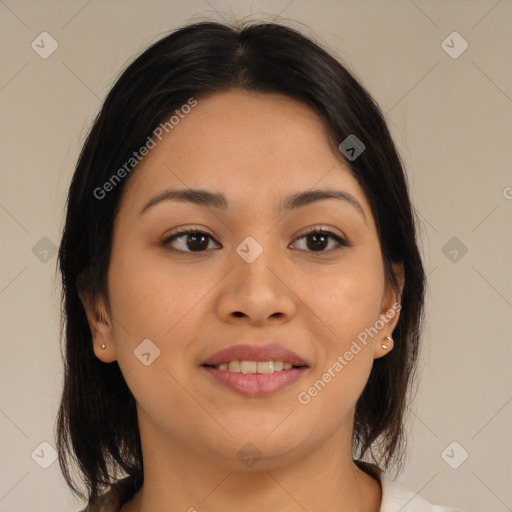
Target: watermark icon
507	192
351	147
454	455
146	352
454	45
44	455
454	249
249	249
304	397
44	250
44	45
249	455
158	132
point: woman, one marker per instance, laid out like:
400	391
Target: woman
242	286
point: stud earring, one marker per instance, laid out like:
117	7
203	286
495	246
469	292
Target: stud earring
103	347
384	345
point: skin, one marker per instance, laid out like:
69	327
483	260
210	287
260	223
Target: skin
256	149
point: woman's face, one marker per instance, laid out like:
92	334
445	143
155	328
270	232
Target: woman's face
253	277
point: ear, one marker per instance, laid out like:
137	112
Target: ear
100	325
390	311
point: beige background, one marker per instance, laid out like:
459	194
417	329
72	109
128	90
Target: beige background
451	119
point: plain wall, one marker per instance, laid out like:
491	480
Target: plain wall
452	121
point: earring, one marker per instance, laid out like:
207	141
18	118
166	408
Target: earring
384	346
103	347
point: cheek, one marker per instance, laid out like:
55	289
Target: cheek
349	304
349	299
166	303
152	299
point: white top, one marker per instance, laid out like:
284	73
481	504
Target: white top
395	498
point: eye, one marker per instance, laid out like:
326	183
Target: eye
320	240
193	240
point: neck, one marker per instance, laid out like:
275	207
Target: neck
182	479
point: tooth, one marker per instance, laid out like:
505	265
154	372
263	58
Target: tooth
253	367
278	366
265	367
234	366
248	366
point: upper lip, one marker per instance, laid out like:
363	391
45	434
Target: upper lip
255	353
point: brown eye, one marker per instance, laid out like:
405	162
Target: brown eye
318	240
191	240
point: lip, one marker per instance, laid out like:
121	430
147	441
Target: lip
255	353
256	385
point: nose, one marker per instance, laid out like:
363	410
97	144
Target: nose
258	292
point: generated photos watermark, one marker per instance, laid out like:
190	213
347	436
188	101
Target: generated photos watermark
158	132
305	397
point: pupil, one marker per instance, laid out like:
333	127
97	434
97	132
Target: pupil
318	237
197	246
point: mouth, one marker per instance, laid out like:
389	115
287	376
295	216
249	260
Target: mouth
255	371
254	367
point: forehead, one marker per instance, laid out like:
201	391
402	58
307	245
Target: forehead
253	147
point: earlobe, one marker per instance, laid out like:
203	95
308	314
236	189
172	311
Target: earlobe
100	326
390	311
384	347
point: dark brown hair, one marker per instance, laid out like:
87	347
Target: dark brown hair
97	424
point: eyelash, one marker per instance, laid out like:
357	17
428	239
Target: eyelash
180	232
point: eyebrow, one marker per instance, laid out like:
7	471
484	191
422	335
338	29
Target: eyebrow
218	200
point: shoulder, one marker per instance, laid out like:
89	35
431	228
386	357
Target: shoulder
396	498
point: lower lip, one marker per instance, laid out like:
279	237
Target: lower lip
256	385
